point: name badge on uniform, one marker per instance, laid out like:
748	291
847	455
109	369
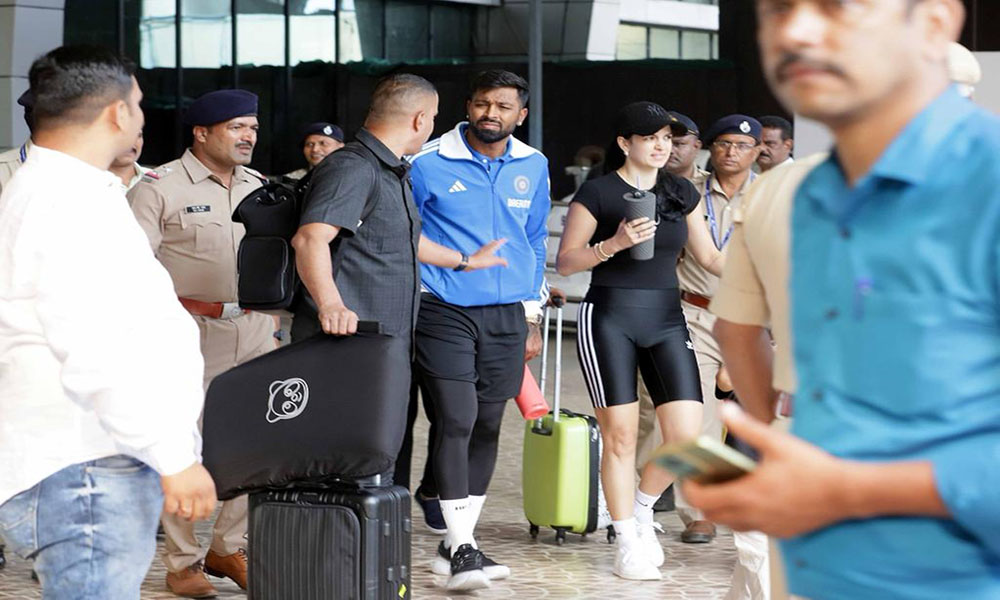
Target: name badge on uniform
198	208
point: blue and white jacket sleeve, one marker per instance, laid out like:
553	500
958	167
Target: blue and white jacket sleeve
538	236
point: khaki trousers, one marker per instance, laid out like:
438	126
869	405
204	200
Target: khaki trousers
224	344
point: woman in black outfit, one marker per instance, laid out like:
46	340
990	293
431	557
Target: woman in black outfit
631	319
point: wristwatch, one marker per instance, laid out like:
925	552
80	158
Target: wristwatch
464	264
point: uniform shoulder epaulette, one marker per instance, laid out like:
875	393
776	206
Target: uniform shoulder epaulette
154	175
256	174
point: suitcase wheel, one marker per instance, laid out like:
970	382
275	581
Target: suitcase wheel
612	536
533	530
560	537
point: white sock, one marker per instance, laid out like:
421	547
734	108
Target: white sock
644	507
626	530
476	509
457	515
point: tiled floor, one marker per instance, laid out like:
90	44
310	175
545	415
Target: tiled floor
579	569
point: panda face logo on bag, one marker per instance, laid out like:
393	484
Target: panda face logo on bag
287	399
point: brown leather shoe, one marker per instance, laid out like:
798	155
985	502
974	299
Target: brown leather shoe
233	566
191	583
698	532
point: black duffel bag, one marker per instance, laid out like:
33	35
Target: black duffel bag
327	408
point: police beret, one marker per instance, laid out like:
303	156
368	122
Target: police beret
221	105
690	127
739	124
644	118
321	128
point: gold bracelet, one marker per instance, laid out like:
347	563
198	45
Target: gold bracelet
601	254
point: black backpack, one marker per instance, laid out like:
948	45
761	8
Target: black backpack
265	262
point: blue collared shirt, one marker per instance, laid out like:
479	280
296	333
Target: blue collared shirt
895	292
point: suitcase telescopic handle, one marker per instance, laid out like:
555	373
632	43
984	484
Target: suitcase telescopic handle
558	382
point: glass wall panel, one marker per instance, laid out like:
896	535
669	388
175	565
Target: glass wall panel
362	30
696	45
157	31
631	42
260	32
206	34
664	43
312	31
407	30
451	27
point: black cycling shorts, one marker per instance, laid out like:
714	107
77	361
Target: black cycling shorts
620	330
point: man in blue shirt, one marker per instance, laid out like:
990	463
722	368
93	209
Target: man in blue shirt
477	182
891	488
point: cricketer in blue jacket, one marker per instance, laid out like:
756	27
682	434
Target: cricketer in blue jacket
466	200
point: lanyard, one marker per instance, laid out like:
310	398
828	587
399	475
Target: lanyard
713	223
24	152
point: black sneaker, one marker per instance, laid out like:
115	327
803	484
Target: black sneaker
433	516
665	503
442	565
467	570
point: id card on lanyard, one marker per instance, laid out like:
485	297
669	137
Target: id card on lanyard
713	222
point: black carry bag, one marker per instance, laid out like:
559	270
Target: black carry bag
326	407
265	261
341	543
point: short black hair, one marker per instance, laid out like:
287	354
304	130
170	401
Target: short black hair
396	95
492	79
774	122
73	84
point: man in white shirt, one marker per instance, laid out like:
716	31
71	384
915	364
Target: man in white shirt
100	373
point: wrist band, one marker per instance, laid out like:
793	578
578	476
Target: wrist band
463	264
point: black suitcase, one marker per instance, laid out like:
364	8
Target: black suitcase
341	543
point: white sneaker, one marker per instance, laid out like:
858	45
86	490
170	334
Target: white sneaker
632	563
650	544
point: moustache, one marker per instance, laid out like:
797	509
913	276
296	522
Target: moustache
790	60
497	123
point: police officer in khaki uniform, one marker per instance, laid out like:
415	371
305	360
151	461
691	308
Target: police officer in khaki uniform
185	208
12	159
734	144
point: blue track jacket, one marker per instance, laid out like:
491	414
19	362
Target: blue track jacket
467	200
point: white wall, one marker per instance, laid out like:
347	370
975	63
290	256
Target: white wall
28	29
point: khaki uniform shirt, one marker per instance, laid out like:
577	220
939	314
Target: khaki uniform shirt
11	160
186	212
691	275
754	286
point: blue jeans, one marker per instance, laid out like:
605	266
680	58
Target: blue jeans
91	528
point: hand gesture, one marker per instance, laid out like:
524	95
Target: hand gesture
631	233
189	494
337	319
485	257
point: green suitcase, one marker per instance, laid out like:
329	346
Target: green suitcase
560	478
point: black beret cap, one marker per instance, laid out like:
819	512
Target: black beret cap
321	128
644	118
739	124
221	105
690	127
